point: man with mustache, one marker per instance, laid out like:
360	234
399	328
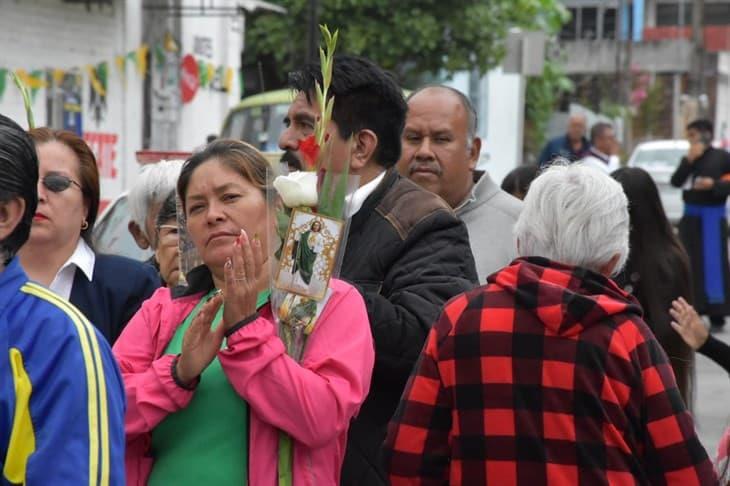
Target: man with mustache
407	252
440	153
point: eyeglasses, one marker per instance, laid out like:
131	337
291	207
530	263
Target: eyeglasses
168	234
58	182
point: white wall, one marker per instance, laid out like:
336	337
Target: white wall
41	34
500	115
505	102
204	115
722	108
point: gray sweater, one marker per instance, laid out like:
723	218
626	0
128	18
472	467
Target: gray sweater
490	215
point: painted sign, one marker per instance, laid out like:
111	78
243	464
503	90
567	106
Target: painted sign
104	147
189	78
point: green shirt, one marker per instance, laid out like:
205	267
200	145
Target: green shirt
207	441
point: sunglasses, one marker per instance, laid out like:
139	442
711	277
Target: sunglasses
58	182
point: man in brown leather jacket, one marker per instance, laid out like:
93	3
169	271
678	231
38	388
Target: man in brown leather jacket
407	252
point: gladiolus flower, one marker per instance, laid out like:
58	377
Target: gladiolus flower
310	151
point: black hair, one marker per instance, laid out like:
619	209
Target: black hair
599	129
518	181
291	160
702	125
19	169
239	156
366	97
168	210
657	269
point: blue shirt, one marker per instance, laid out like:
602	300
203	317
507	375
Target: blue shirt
561	146
62	398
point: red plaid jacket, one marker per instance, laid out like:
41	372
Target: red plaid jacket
547	375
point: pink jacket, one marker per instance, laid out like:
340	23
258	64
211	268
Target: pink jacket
312	402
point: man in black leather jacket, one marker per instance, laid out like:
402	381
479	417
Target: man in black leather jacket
407	252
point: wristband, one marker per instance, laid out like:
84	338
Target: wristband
179	382
242	323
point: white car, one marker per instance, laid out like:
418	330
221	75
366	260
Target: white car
660	159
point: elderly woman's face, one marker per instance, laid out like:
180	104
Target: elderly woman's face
167	254
60	214
218	204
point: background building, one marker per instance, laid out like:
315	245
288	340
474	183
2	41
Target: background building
642	54
126	75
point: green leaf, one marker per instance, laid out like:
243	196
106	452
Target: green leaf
26	99
411	38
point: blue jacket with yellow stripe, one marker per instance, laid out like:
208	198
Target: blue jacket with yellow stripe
61	395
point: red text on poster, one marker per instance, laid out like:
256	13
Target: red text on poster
103	145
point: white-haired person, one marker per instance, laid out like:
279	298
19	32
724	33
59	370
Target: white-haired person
154	184
548	374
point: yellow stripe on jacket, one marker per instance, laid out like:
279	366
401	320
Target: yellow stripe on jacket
22	435
98	413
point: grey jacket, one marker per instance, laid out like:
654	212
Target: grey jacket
490	215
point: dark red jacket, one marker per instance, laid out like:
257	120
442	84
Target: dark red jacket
547	375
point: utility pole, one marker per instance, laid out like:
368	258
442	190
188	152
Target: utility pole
619	99
313	32
697	78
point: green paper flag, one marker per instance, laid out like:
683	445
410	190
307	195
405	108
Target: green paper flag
159	56
35	75
203	74
3	78
102	72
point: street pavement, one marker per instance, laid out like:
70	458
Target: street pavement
712	399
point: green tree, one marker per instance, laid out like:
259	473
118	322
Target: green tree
542	95
412	38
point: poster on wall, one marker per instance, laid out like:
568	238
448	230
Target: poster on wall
71	103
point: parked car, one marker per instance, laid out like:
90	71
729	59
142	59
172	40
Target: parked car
259	119
660	159
111	235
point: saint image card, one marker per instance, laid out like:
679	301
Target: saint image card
309	254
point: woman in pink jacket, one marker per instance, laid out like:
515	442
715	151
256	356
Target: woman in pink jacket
209	385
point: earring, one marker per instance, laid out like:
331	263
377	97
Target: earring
84	225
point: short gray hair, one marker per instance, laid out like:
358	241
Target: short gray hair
154	184
575	215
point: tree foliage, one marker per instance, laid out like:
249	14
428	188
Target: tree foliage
411	38
541	98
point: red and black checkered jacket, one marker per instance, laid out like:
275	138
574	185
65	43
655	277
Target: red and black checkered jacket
547	375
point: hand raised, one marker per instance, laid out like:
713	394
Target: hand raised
704	183
688	324
696	150
242	273
200	343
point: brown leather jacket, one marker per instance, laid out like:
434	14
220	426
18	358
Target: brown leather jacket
408	253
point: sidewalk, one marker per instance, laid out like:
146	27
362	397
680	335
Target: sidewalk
712	399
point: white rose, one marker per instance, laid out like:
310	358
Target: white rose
297	189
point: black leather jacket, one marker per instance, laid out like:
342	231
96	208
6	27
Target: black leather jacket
408	253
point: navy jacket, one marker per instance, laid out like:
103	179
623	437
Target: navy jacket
560	146
116	291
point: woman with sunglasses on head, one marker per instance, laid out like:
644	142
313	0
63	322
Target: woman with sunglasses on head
107	289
